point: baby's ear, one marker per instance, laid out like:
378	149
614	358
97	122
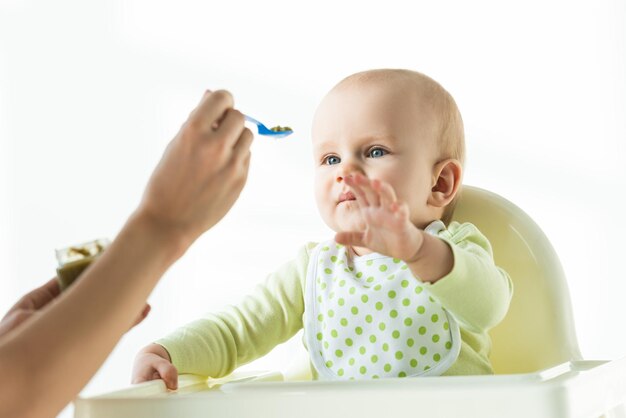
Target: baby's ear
446	182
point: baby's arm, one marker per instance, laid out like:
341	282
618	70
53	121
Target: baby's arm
219	343
389	231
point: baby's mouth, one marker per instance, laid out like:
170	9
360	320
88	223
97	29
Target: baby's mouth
347	196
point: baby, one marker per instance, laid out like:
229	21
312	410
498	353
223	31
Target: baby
400	290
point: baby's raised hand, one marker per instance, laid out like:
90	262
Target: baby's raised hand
388	228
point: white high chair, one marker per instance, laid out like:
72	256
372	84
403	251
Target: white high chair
539	370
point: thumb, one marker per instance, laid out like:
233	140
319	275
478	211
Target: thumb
168	373
350	238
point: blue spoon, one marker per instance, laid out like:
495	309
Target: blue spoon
263	130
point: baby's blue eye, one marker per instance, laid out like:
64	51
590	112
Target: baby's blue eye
332	159
377	152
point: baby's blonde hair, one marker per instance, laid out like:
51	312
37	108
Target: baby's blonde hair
449	130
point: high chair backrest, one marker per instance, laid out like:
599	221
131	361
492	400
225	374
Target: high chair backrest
538	331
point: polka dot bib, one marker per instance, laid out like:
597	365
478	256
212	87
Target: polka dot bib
368	317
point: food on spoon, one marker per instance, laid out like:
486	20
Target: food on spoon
281	129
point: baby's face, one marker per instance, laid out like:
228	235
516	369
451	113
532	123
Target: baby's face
381	132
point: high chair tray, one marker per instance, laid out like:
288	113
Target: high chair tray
574	389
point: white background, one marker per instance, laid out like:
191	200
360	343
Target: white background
91	92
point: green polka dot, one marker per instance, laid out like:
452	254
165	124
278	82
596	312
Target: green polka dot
406	301
387	367
448	345
320	317
437	357
378	287
329	364
385	347
434	318
349	342
396	260
359	275
334	333
372	339
326	345
410	342
404	283
362	350
376	376
344	322
342	283
319	336
328	271
446	326
426	368
319	280
421	309
422	330
341	301
408	322
413	362
368	319
351	268
331	295
369	262
383	267
370	279
418	289
399	355
364	298
351	361
391	277
374	358
354	310
358	330
323	286
382	326
395	334
339	353
363	370
435	338
391	294
325	248
402	374
423	350
319	299
340	372
352	290
333	258
404	267
393	313
379	306
331	313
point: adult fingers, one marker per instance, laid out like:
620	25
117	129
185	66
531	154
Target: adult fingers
241	149
40	296
231	127
209	113
142	315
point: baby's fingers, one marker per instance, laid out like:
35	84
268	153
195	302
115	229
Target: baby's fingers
168	373
386	193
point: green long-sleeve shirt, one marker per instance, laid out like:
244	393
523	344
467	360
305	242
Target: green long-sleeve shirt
476	292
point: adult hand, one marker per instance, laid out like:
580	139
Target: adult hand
31	304
203	169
